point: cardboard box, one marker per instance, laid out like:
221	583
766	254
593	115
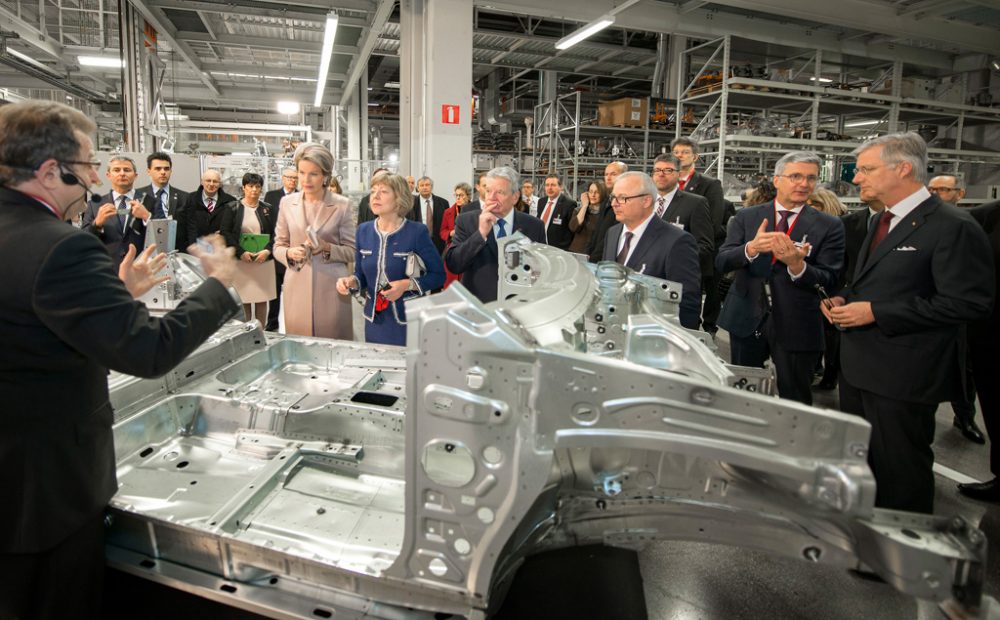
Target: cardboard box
627	112
908	87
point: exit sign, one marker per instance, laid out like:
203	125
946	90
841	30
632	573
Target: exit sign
449	114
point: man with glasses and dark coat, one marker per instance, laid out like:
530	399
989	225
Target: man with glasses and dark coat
645	243
781	252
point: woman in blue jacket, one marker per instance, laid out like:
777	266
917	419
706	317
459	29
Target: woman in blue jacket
395	260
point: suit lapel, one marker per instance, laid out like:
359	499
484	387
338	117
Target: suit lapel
649	238
906	227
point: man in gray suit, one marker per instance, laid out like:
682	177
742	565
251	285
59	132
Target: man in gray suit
647	244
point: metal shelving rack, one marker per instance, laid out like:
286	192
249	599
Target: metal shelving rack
559	123
811	107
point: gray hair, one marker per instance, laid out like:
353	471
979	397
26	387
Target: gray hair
316	154
289	169
900	147
32	132
122	158
506	172
425	178
621	166
797	157
648	187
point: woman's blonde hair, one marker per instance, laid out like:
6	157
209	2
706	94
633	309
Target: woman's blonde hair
399	186
826	201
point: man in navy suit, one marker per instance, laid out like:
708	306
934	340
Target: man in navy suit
689	212
781	251
473	251
925	271
429	209
119	218
556	210
645	243
162	200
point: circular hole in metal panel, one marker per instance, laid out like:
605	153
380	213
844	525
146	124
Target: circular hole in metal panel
448	463
437	567
485	515
462	546
492	455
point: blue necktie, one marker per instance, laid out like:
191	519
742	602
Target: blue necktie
502	233
162	211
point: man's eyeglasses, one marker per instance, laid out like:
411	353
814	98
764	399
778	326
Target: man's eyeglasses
799	178
96	165
290	176
624	199
664	170
868	170
943	190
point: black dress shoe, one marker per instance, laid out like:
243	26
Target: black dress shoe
970	430
988	491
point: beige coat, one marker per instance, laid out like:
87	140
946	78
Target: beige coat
312	305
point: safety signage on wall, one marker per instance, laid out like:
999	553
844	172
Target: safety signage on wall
449	114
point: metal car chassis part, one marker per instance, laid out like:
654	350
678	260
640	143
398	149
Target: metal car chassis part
306	478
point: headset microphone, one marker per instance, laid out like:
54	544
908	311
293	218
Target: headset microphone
69	178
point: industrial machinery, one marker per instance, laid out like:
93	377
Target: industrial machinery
308	478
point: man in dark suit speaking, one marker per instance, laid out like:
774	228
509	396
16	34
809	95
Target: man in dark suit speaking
924	271
473	251
66	319
647	244
781	251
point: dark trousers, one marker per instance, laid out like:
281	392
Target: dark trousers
983	351
66	581
794	372
748	350
831	355
713	301
965	408
274	306
899	452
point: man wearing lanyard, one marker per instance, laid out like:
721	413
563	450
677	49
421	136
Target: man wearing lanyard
159	198
555	212
430	210
474	251
781	251
120	219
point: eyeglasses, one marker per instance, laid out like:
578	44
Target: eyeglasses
868	170
624	199
943	190
664	170
96	165
799	178
290	176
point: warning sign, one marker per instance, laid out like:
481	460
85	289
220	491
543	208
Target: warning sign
449	114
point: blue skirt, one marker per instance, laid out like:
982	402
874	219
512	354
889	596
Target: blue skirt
385	330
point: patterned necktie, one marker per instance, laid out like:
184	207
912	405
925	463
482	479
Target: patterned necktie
881	231
785	216
210	205
623	255
502	233
122	211
661	206
547	212
159	202
428	216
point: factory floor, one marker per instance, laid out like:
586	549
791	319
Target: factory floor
688	581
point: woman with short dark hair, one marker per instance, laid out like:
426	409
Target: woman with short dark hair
248	226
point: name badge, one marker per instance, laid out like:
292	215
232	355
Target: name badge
678	225
557	221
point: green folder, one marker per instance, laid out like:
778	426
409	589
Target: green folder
254	243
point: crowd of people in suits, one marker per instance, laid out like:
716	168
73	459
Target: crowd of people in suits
792	245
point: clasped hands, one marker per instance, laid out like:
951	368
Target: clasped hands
844	315
394	292
255	257
781	245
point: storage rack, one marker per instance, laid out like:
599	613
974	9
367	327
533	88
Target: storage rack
814	109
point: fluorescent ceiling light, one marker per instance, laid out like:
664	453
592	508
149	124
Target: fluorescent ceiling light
996	64
822	80
324	59
101	61
593	27
288	107
392	84
861	123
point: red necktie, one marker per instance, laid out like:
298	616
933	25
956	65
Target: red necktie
210	205
681	183
548	210
881	231
783	223
623	255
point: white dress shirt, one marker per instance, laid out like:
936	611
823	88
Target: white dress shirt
902	208
636	235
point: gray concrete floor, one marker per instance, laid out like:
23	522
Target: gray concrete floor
688	581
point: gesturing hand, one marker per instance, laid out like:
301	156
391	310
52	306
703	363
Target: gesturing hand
140	274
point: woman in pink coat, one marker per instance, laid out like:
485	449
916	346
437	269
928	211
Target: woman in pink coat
314	239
